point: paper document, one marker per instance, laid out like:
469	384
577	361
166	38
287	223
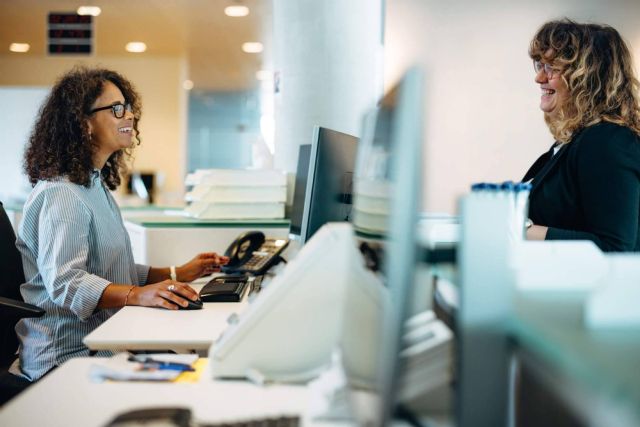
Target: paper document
152	367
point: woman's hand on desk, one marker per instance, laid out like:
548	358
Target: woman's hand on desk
166	294
203	264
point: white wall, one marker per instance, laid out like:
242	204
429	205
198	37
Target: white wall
18	111
164	103
329	57
482	119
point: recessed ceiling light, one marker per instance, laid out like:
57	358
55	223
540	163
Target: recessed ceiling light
236	11
89	10
252	47
136	47
187	84
264	75
19	47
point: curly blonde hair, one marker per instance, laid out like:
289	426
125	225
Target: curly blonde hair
596	65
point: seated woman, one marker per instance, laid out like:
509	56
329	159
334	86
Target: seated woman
587	186
77	256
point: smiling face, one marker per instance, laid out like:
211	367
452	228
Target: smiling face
109	133
554	91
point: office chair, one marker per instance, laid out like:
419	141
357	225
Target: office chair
12	308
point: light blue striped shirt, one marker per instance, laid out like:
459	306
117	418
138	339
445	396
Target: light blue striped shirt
73	244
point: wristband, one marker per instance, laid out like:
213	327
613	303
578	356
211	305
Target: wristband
126	299
172	273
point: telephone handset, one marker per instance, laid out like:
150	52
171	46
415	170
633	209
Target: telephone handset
252	253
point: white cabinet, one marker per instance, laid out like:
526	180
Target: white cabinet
163	240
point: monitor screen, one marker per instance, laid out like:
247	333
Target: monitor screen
297	208
386	206
330	180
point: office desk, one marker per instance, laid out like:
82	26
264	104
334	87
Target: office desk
14	212
594	373
164	240
145	328
66	397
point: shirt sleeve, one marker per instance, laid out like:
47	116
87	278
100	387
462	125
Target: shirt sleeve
608	176
143	273
63	251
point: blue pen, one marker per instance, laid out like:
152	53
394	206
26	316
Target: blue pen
166	366
159	364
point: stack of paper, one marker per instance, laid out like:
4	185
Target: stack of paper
236	194
426	361
371	205
427	356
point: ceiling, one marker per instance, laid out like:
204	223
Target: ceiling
196	29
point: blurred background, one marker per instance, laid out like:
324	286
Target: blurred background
210	100
202	94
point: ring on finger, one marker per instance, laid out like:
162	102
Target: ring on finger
171	288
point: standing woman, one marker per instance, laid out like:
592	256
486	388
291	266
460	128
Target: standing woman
587	186
77	256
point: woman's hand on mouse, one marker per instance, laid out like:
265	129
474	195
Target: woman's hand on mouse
167	294
201	265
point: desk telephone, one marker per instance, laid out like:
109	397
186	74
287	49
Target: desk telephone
253	254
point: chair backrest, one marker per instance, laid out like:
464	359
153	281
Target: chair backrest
11	277
11	273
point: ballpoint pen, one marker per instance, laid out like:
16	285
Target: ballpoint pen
168	366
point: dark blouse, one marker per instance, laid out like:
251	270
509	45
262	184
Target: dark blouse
590	190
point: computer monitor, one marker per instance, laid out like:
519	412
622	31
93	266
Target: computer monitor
329	181
297	208
328	274
388	192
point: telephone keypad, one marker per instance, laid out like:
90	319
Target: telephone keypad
266	255
251	253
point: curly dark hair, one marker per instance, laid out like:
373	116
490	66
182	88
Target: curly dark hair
60	144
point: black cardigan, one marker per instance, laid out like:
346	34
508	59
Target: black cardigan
590	190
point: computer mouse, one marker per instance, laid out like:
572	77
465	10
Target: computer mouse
193	305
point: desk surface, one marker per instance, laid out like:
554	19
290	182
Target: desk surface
145	328
66	397
163	221
604	362
17	207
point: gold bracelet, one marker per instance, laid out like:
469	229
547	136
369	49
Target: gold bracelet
126	299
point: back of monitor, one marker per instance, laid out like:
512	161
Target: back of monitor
324	295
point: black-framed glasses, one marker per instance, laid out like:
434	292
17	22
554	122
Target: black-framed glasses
117	109
549	71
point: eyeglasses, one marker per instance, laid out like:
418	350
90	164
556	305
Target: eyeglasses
117	109
549	71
